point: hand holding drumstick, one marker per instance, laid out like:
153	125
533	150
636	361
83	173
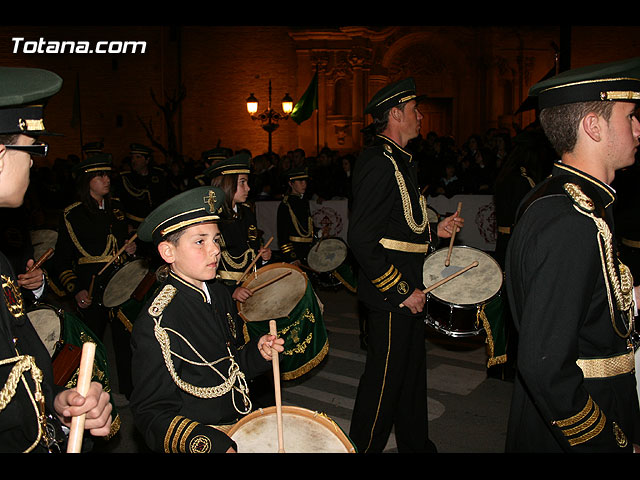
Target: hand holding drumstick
439	283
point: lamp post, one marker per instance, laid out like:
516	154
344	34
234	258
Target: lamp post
269	119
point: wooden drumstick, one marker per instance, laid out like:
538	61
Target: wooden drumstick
453	236
41	260
84	382
276	384
253	263
446	279
269	282
93	279
118	253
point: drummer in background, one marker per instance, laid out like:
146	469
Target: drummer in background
208	159
294	220
25	422
190	363
142	188
389	236
92	148
239	239
90	233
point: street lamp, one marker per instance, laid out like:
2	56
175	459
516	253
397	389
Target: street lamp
269	119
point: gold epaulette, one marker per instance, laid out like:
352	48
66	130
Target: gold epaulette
71	207
162	300
581	200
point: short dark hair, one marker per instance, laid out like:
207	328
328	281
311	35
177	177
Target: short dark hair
8	139
560	123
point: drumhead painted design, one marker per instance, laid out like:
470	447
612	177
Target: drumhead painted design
473	287
303	431
327	255
124	282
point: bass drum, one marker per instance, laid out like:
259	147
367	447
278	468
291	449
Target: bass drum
293	304
454	308
303	431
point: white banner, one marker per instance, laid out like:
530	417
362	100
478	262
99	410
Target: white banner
478	211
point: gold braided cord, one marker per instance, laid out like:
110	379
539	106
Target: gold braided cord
523	173
24	363
622	284
298	226
229	383
231	260
406	202
110	248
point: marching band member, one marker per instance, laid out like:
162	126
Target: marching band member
33	410
190	362
90	233
239	239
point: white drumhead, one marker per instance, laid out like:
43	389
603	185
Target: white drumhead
277	299
472	287
432	215
42	240
303	431
48	326
124	282
327	255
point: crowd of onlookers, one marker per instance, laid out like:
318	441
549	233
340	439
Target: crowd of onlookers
445	167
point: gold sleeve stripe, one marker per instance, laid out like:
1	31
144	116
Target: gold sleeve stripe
577	417
185	436
387	273
168	435
391	282
583	426
591	434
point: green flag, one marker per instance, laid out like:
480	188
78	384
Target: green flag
307	103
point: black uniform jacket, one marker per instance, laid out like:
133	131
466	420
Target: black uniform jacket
294	243
86	241
170	418
385	196
239	244
19	418
556	288
140	194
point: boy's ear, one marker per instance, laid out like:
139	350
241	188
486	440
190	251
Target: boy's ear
167	251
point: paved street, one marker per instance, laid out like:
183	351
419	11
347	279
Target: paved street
467	410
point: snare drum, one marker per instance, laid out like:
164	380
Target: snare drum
454	308
303	431
329	260
327	255
294	305
122	281
42	240
48	322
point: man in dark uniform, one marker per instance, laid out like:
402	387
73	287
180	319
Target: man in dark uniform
191	364
389	235
32	408
142	188
294	221
572	300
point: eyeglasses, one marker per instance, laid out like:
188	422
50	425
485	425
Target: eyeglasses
37	149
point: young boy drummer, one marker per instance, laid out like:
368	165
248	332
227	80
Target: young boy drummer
190	365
